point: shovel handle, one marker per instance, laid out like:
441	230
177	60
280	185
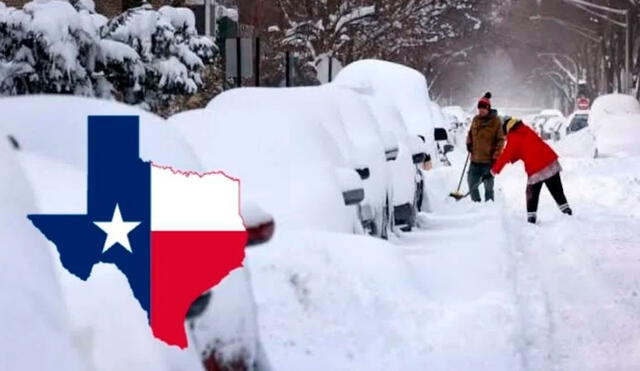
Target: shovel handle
464	169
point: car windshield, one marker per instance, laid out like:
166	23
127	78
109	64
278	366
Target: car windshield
578	123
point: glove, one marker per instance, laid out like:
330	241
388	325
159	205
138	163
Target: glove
469	148
487	176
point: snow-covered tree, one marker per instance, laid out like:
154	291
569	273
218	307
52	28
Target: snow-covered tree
143	56
398	30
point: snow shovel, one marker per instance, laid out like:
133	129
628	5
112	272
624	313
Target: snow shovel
457	195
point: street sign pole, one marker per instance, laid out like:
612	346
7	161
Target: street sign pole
627	52
239	61
257	62
287	68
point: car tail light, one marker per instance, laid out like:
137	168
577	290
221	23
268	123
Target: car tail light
260	233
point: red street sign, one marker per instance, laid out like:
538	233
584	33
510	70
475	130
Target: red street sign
583	103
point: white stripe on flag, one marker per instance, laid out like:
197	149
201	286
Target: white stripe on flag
191	202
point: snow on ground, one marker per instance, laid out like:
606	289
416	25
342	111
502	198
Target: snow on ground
477	289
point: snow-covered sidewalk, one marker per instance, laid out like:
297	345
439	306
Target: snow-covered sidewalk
477	289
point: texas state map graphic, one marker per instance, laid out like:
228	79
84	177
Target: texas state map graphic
173	234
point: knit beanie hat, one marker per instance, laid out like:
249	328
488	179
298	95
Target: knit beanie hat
485	101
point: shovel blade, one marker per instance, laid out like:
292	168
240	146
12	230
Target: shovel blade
456	195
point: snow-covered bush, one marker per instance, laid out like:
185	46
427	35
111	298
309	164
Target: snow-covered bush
143	56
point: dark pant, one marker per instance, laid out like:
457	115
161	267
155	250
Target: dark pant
554	184
476	171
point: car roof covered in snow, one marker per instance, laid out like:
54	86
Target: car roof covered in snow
57	128
612	104
405	87
273	140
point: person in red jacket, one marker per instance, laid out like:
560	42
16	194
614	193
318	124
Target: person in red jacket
540	163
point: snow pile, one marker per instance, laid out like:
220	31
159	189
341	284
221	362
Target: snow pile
578	144
339	302
402	86
35	334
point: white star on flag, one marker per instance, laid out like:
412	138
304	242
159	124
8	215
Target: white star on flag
117	231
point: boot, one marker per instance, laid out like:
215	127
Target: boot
566	209
531	219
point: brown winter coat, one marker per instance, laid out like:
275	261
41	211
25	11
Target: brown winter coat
485	140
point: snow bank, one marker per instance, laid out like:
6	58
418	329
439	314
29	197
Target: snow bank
35	333
402	86
578	144
338	302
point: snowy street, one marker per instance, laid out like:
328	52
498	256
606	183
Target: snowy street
493	293
285	185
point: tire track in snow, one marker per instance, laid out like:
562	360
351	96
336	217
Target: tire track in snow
463	262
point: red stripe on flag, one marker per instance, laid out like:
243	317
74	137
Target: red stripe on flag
185	264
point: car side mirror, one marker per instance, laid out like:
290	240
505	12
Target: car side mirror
351	186
391	148
448	148
419	158
440	134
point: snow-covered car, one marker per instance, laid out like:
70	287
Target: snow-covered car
285	157
35	332
52	148
458	113
554	128
408	181
540	120
614	121
576	122
403	87
357	121
443	132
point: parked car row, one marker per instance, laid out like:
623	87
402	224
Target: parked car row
346	157
341	157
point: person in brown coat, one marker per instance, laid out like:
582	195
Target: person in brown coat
485	142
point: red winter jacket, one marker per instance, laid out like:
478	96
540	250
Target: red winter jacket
524	144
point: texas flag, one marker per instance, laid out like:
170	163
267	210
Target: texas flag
173	234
